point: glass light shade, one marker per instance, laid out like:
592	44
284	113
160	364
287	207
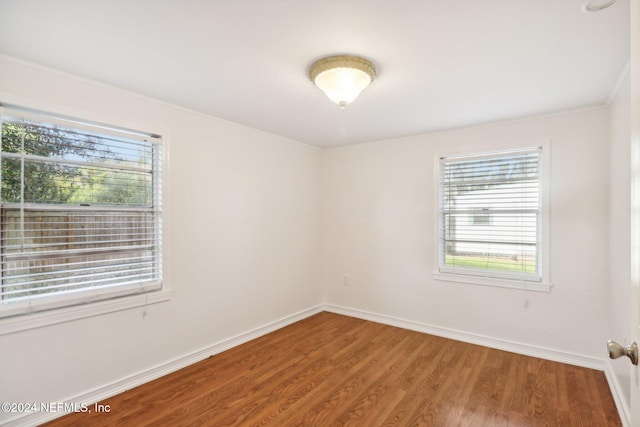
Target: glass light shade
342	78
343	85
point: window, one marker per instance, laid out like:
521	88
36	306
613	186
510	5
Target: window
491	216
481	218
80	212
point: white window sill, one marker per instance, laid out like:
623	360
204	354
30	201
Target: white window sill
495	282
34	320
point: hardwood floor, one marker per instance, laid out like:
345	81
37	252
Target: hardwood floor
332	370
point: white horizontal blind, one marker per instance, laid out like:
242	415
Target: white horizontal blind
80	212
490	215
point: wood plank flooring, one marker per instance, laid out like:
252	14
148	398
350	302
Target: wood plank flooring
332	370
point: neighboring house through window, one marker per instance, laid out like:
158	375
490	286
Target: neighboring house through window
491	216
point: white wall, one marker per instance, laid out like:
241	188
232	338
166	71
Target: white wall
620	227
241	233
378	227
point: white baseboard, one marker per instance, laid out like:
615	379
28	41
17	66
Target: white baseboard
511	346
617	393
109	390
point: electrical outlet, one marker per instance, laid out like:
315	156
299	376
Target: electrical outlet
346	279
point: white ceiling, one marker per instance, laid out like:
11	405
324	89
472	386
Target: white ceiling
441	64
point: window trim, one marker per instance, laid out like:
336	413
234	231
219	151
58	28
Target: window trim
38	319
85	305
495	280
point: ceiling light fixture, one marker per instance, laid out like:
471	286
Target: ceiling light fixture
342	77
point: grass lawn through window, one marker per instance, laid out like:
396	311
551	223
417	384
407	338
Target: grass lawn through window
491	263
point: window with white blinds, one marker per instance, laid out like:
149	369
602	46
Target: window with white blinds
80	212
490	215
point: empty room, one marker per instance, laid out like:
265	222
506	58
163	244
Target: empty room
341	212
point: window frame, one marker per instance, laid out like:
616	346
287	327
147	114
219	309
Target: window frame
60	308
492	278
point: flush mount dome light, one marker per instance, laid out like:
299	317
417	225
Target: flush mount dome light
342	77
